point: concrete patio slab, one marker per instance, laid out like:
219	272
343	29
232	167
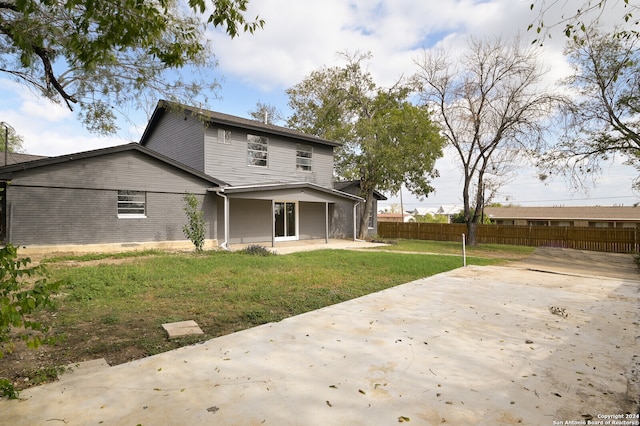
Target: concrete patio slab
477	345
83	369
182	328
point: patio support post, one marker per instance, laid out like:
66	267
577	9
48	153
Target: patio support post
355	220
225	244
326	222
226	222
273	223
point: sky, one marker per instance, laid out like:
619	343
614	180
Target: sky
300	36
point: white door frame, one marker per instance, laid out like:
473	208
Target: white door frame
297	220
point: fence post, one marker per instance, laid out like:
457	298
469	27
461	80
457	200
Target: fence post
464	251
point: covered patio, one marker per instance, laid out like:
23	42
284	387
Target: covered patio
284	212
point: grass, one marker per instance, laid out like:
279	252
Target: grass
228	291
114	309
101	256
444	247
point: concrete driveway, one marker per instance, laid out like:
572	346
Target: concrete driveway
522	344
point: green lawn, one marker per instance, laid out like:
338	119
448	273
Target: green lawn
225	291
112	306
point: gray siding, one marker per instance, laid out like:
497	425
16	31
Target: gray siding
341	220
312	220
179	135
56	216
355	190
228	161
75	202
124	170
250	221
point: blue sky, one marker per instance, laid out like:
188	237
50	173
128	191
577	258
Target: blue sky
303	35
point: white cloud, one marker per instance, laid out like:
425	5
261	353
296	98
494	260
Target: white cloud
31	104
47	128
304	35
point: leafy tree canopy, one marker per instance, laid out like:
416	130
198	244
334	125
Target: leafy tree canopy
102	55
266	113
576	21
603	120
15	140
387	141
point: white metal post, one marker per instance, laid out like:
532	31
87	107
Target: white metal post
464	251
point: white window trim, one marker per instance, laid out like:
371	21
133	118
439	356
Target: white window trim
132	215
224	136
253	150
309	149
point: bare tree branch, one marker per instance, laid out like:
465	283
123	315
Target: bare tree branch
491	108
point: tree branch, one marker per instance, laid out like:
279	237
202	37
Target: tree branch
50	76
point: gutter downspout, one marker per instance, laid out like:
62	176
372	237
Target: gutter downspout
355	216
273	223
225	244
10	225
326	222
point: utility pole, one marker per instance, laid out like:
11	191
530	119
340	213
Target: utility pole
6	142
401	206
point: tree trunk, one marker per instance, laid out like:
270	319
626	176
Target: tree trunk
363	228
472	223
472	227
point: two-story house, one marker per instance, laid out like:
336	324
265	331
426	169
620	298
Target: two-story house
279	182
257	183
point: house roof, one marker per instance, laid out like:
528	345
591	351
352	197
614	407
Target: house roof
393	215
445	209
344	185
16	157
294	185
5	171
229	120
565	213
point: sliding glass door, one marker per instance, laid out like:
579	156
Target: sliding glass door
286	220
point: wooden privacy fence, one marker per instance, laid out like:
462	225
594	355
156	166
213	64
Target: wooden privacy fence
613	240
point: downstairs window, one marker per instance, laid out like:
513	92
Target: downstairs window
132	204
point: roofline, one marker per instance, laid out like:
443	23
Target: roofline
549	218
348	183
231	121
5	171
292	185
581	213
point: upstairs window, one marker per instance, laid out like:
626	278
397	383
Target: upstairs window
257	151
132	204
304	158
224	136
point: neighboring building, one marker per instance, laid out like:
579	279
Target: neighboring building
8	158
257	183
585	216
448	210
395	217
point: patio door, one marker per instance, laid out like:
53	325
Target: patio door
286	220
